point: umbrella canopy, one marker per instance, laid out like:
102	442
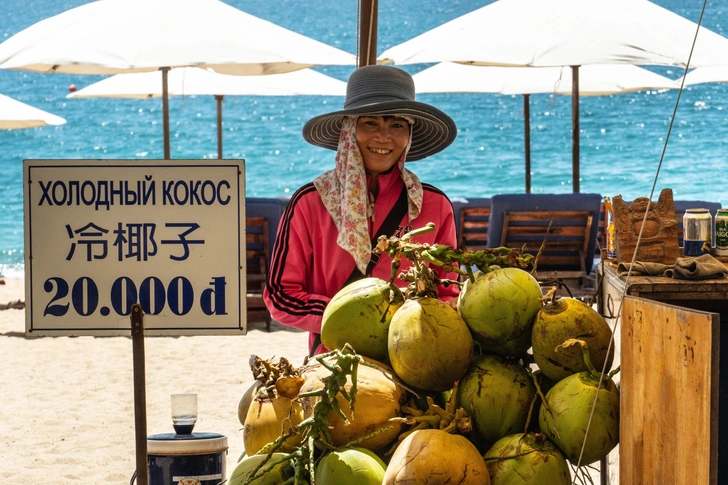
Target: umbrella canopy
115	36
711	74
15	115
595	80
564	33
555	33
196	81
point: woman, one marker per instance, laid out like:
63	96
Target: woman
324	240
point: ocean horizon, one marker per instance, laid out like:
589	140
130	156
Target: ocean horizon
622	136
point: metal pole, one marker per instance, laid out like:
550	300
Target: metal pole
165	111
575	128
218	98
527	138
368	15
140	394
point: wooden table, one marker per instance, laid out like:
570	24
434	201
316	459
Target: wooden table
705	295
649	344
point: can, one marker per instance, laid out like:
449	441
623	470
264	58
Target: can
697	232
196	458
611	241
721	232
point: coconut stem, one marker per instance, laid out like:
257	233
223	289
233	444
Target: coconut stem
584	352
531	408
614	372
445	257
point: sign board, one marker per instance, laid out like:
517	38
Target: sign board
101	235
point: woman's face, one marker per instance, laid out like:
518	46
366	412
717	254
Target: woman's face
381	140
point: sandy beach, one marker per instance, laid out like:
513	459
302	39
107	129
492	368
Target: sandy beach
68	402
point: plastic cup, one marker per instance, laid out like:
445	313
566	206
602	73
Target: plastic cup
184	412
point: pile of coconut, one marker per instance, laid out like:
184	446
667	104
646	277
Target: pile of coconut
507	387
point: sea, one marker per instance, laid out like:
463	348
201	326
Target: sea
622	136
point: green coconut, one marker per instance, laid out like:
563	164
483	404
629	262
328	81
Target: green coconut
526	459
496	392
500	308
568	411
430	346
360	314
350	466
563	319
274	472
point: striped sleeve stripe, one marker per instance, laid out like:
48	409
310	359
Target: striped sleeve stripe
432	188
280	299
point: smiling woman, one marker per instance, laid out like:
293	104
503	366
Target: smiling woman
339	216
381	141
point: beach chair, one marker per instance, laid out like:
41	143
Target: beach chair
601	230
261	224
256	258
522	220
471	220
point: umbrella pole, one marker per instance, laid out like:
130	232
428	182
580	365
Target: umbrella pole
575	128
218	98
165	111
368	19
527	138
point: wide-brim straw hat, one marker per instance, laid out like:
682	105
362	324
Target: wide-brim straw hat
385	91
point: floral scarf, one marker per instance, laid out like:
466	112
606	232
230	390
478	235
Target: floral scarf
344	193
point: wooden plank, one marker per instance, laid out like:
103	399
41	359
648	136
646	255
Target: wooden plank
474	223
669	394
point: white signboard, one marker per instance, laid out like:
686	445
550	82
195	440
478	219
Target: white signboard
101	235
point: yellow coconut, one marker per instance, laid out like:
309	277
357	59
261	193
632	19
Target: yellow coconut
378	398
436	457
267	420
247	400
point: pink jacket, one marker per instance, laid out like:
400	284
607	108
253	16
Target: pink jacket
308	267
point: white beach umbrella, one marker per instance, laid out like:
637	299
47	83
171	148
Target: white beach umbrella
555	33
196	81
552	33
594	80
710	74
15	115
116	36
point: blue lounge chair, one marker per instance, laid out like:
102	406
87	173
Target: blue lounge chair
522	220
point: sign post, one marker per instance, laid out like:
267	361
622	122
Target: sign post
140	394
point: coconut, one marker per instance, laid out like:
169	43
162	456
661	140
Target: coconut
359	314
274	472
430	346
565	417
436	457
496	392
569	318
268	419
525	459
500	308
378	398
246	400
350	466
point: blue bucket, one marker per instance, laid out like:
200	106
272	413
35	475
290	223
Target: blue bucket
191	459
